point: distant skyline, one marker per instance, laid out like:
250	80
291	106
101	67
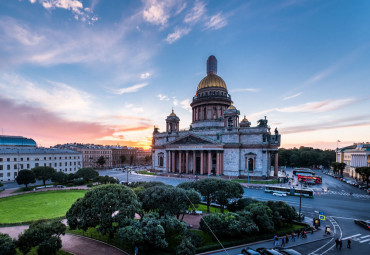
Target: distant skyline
106	72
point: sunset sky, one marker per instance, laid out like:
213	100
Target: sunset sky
106	72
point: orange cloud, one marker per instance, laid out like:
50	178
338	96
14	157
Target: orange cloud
48	129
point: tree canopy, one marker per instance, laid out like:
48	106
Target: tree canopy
168	200
101	207
364	172
25	177
44	234
87	174
59	177
306	157
43	173
7	246
101	161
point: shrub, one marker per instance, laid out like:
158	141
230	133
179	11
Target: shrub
7	246
79	182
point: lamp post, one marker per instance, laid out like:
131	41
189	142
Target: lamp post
300	202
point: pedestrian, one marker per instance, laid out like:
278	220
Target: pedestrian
311	230
282	242
349	243
298	234
286	239
336	243
340	244
293	237
276	240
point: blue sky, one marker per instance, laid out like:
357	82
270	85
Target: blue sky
107	71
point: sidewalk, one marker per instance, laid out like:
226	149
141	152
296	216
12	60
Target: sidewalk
316	236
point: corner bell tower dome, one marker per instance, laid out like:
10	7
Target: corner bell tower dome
212	80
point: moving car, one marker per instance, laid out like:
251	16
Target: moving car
279	194
363	223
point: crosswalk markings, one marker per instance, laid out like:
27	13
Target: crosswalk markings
363	241
348	237
358	238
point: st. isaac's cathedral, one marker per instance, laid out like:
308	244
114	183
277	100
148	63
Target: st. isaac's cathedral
216	143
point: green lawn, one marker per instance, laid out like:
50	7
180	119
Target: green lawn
212	209
39	205
146	172
256	181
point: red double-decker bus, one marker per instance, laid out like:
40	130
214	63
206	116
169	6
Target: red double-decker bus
309	179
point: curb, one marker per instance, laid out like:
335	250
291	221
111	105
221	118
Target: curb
258	242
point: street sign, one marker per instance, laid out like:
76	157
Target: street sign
321	213
322	217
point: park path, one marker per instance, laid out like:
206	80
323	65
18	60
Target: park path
78	245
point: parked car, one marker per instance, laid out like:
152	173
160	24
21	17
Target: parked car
363	223
264	251
288	251
250	251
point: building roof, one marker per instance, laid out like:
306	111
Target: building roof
30	150
6	140
356	147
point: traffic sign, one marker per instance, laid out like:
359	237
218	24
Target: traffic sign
321	213
322	217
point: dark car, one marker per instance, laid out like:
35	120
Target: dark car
363	223
250	251
288	252
264	251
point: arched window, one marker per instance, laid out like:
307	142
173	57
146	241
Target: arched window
230	122
160	159
250	164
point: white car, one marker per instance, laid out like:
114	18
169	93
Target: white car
279	194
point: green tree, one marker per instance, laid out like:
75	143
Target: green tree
262	215
107	180
227	190
103	207
228	224
25	177
50	246
101	161
7	246
148	158
59	177
143	234
207	188
132	159
42	233
341	167
364	172
43	173
168	200
285	211
122	159
335	167
240	204
87	174
186	247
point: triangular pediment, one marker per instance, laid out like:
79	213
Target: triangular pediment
191	139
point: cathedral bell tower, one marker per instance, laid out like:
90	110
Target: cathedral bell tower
172	123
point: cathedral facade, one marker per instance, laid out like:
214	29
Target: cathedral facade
216	143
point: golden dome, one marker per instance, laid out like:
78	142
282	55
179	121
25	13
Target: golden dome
245	119
231	107
212	80
172	113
